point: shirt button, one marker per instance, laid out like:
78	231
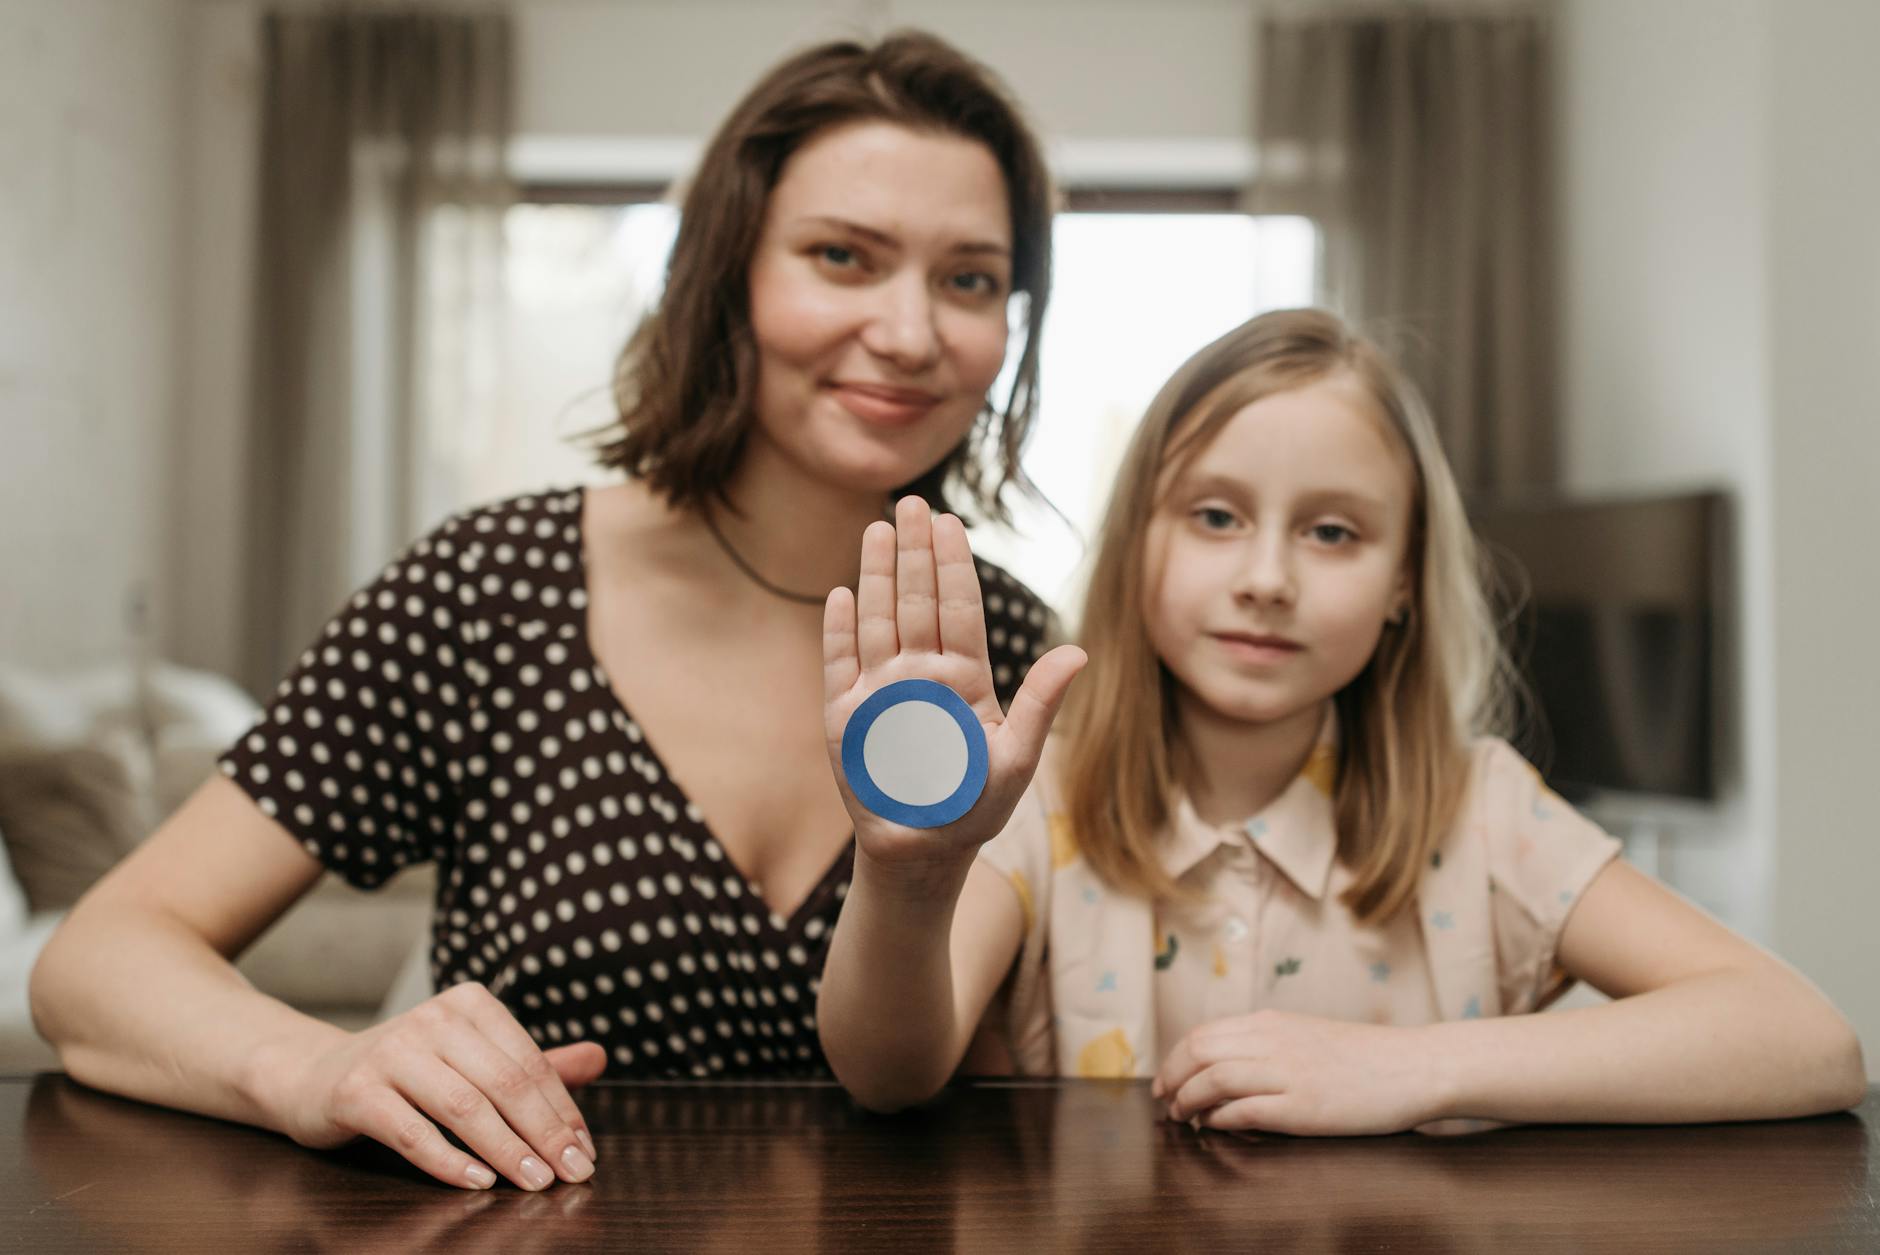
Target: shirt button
1235	930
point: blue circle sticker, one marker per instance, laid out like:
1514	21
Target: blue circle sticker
914	754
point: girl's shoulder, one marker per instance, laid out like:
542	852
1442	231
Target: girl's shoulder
1540	852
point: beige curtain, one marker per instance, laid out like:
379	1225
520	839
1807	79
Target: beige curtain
378	295
1418	139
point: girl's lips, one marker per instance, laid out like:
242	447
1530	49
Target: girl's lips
884	406
1257	648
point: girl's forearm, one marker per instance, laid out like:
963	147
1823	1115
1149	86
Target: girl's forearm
144	1008
1734	1044
887	1010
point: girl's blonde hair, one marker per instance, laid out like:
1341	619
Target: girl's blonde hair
1436	680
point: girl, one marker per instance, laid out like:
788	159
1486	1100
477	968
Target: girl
560	700
1274	861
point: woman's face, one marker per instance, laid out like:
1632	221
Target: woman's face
878	302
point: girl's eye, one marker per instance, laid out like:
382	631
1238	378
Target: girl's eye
1332	533
1214	519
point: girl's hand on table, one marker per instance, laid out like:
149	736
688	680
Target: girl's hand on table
458	1062
1283	1072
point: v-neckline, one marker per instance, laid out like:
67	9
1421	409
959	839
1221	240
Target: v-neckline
832	877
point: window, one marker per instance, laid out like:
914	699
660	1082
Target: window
1135	294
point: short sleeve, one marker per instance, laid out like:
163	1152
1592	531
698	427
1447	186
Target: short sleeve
360	752
1542	854
1023	855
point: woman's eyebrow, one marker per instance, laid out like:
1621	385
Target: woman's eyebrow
882	238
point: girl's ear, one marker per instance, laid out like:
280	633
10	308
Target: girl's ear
1399	601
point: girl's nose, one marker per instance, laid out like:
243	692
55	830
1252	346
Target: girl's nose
901	327
1267	575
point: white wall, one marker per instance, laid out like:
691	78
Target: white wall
1665	354
1824	255
91	94
1109	69
1722	274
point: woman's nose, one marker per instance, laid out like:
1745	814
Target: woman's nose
901	325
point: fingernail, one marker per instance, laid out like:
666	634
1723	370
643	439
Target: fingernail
535	1173
587	1143
480	1178
577	1165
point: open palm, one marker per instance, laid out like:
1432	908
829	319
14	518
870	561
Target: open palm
916	614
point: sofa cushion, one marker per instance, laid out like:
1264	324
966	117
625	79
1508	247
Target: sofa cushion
67	815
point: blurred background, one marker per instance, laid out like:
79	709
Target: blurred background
282	284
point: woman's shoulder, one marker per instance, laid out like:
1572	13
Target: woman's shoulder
518	554
1020	626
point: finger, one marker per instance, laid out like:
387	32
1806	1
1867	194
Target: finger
841	667
1037	701
915	597
517	1098
496	1023
962	613
578	1064
456	1103
1180	1064
1220	1083
875	636
1270	1113
396	1123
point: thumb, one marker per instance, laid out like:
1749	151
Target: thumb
577	1064
1038	699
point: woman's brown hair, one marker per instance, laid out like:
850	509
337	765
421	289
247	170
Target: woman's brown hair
1436	680
685	383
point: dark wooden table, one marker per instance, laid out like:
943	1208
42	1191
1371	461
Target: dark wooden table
1077	1166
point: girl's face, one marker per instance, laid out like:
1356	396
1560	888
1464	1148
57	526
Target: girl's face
1277	555
878	292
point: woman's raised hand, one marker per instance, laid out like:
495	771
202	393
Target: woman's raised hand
916	614
458	1062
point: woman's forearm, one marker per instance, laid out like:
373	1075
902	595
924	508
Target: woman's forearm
1739	1043
887	1008
139	1005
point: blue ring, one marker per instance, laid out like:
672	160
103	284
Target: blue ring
949	808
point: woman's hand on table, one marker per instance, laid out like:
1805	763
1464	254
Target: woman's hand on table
916	614
458	1062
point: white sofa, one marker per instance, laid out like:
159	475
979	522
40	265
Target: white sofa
89	763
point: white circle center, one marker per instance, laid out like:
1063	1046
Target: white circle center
915	753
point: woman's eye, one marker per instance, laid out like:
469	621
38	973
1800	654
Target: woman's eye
976	283
1332	533
837	255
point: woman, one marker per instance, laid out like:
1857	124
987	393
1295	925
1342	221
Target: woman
597	710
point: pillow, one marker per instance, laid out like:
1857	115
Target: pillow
12	899
67	815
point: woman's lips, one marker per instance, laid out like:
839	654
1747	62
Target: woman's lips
882	405
1253	647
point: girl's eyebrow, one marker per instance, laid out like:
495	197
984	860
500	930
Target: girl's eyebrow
1215	484
884	240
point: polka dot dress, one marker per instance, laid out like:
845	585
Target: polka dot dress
453	712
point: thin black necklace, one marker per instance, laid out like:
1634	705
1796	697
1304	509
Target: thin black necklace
750	572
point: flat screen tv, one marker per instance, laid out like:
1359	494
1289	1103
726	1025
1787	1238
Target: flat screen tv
1617	621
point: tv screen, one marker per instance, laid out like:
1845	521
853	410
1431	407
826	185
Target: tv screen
1617	629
